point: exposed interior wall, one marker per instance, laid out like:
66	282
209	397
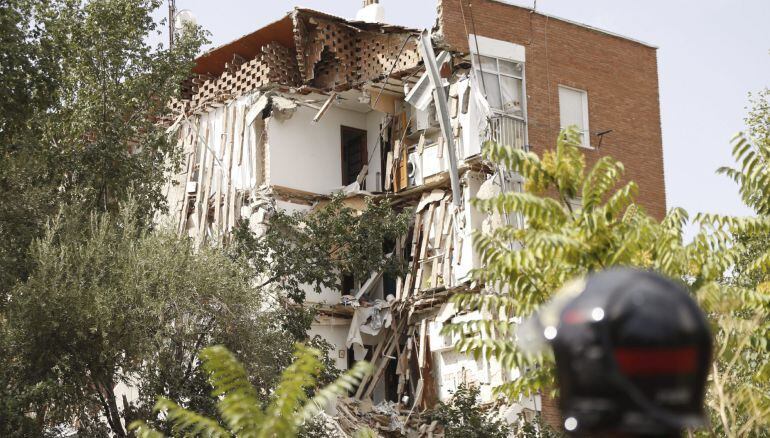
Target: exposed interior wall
223	157
326	296
306	155
335	332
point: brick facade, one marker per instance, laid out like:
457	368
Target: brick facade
550	412
620	76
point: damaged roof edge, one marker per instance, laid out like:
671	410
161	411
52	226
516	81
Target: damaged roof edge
213	60
579	24
363	25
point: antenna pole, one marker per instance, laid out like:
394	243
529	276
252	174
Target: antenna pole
171	16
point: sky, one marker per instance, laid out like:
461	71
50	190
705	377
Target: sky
711	54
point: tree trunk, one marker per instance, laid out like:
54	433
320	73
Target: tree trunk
107	395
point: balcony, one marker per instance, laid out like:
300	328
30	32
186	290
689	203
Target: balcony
509	131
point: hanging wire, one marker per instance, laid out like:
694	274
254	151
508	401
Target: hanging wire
382	89
476	42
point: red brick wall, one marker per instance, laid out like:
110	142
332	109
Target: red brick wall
551	414
620	76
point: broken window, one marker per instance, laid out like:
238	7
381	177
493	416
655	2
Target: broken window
573	111
502	82
348	285
353	154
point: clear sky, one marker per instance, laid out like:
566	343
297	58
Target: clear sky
712	53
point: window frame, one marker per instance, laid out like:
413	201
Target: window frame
476	63
363	151
586	131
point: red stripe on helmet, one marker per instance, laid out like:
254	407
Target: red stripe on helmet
652	361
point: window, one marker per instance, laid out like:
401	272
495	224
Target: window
502	82
573	110
353	153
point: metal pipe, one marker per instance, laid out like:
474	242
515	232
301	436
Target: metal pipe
171	22
439	96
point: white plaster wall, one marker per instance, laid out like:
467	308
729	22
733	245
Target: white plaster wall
472	122
373	120
473	220
326	296
306	155
454	368
335	332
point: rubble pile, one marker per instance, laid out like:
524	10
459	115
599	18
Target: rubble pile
388	419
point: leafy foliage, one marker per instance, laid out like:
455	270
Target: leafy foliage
317	249
740	398
537	428
104	306
96	303
524	266
113	91
751	151
241	409
82	92
28	80
463	417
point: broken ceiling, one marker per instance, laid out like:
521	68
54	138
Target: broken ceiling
305	51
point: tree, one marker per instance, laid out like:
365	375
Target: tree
117	304
463	417
752	152
297	250
29	75
82	94
740	398
524	266
240	407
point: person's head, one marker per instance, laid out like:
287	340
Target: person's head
632	353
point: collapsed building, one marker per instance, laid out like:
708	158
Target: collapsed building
314	104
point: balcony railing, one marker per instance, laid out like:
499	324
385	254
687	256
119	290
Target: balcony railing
508	131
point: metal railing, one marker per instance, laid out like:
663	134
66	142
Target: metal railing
508	131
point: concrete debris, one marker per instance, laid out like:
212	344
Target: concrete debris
283	104
429	198
257	108
387	419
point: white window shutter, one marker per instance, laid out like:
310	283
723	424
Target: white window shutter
573	110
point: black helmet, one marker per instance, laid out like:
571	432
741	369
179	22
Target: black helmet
632	352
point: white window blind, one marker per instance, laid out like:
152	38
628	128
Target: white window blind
573	110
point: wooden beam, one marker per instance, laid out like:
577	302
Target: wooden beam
325	107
